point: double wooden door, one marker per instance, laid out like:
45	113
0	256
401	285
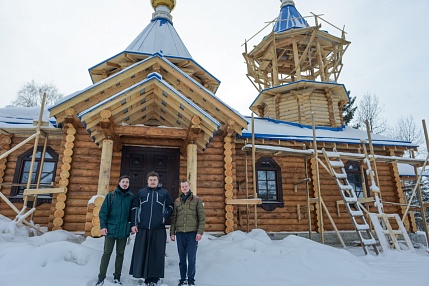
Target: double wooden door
137	162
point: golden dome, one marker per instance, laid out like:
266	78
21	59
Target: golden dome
169	3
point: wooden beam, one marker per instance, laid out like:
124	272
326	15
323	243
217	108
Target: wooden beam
150	132
104	90
106	123
191	170
5	154
243	201
344	155
44	191
193	129
126	140
105	167
110	64
2	131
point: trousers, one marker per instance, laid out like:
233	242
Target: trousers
109	243
187	248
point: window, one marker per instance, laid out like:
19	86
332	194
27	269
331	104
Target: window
269	183
22	171
354	176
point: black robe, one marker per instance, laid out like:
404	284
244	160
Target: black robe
151	208
148	258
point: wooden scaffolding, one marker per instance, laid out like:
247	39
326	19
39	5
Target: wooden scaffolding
380	223
30	194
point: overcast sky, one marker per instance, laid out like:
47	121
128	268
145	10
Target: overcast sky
52	41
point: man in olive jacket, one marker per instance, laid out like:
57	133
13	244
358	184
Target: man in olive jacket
187	225
116	227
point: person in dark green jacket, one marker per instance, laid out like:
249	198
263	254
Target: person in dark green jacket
187	225
116	227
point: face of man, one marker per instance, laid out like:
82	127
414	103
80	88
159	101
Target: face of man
124	183
184	187
152	182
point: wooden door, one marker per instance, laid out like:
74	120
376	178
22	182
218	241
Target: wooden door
138	161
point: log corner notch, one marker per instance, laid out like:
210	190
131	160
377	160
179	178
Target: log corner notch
92	224
229	178
70	118
194	130
106	124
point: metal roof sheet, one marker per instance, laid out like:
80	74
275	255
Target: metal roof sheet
160	37
266	128
289	18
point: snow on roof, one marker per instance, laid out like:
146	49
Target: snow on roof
160	37
408	170
23	117
266	128
289	18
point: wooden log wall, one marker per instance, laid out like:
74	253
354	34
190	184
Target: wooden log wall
8	164
210	183
66	160
270	107
83	179
297	107
5	141
293	216
283	218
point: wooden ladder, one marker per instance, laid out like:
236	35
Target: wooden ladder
387	236
336	169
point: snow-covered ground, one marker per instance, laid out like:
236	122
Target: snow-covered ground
237	259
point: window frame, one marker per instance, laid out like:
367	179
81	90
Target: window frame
15	195
270	205
363	179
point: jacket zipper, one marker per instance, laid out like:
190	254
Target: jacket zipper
151	208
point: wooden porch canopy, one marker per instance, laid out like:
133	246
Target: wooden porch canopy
173	78
149	102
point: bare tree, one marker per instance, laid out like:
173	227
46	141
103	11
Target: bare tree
407	130
370	109
31	94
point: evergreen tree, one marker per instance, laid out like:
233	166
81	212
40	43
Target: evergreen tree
349	110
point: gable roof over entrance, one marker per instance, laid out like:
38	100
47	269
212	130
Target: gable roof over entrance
152	101
168	98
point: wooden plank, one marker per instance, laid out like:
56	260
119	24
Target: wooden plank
44	191
344	155
243	201
6	200
5	154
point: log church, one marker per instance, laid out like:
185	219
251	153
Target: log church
293	166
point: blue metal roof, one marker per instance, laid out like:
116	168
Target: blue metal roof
160	37
289	18
271	129
23	117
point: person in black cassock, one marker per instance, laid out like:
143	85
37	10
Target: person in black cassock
152	206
